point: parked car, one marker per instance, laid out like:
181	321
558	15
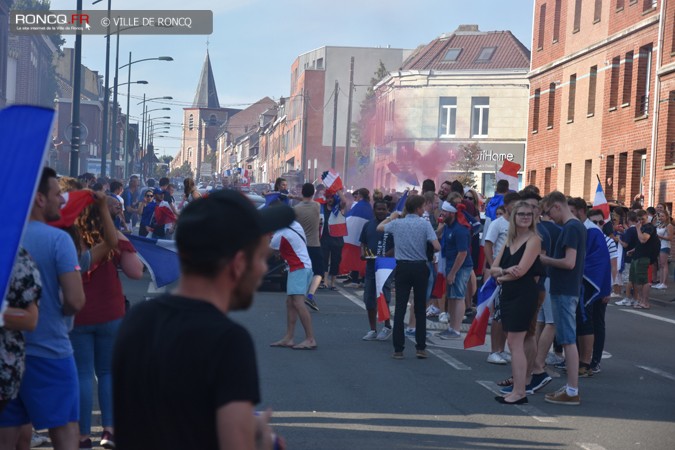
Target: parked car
277	272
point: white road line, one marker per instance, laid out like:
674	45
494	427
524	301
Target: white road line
587	446
534	412
656	371
352	298
651	316
449	359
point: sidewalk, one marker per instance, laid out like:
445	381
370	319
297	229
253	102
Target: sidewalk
665	297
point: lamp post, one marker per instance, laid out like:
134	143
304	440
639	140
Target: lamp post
106	88
144	113
113	150
126	131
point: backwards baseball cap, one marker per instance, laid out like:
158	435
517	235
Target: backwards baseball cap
216	227
447	207
157	191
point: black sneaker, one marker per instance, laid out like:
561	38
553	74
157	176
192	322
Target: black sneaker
311	303
539	380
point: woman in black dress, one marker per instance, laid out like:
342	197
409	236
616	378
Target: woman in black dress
517	268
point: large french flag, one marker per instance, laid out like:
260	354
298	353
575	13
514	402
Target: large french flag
360	214
486	298
438	291
76	201
164	214
600	201
509	172
383	268
597	270
26	132
160	257
331	179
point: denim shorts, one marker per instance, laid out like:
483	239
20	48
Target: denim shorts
457	290
298	281
565	316
545	314
49	396
666	250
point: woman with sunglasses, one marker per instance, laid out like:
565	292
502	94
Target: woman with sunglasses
517	268
147	206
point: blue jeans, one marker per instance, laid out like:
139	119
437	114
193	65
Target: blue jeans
93	350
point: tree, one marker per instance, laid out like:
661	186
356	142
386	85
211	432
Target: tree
361	131
184	171
467	163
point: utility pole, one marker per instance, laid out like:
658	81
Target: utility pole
303	152
106	99
335	109
349	121
75	105
115	134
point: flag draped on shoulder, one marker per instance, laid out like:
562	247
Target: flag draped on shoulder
360	214
383	268
600	202
509	172
26	132
486	298
337	224
76	201
159	256
597	270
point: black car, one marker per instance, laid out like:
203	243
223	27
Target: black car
277	272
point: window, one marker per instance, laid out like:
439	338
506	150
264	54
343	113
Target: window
643	79
535	111
551	105
556	21
572	98
614	83
213	120
319	63
592	83
480	113
588	174
609	176
648	4
597	11
533	177
452	54
447	116
485	54
568	179
627	79
577	16
619	5
191	122
547	180
542	25
190	152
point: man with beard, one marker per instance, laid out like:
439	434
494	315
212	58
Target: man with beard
180	364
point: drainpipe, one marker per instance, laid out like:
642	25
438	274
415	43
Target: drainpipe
657	102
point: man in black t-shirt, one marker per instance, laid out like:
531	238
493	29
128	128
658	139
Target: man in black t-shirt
646	252
181	367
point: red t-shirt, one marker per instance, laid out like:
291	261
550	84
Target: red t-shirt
103	290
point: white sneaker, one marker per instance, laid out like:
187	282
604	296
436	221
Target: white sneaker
496	358
370	336
660	286
432	311
37	440
443	317
384	334
625	302
506	355
552	359
615	295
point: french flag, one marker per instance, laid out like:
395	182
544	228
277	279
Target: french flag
76	201
383	269
438	291
360	214
600	201
159	256
164	214
26	133
486	298
337	224
509	172
331	179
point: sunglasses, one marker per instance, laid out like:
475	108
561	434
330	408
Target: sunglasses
598	222
522	214
148	195
469	197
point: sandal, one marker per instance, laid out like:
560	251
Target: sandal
505	382
322	286
332	288
641	306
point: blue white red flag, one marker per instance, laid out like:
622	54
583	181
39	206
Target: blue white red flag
360	214
600	201
26	132
400	204
164	214
383	269
597	270
331	179
76	201
160	257
486	298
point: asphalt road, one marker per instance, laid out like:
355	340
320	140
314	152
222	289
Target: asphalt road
350	394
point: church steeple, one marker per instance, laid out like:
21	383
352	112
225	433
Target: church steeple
206	95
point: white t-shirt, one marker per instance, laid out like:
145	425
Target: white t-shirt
496	233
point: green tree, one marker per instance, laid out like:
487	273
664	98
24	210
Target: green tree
184	171
467	163
361	131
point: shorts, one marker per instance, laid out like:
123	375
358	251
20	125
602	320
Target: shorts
666	250
564	314
49	396
545	314
585	319
532	329
316	257
298	282
370	292
638	271
457	290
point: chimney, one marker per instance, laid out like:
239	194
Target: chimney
467	28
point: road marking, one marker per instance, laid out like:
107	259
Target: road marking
587	446
656	371
650	316
449	360
533	411
352	298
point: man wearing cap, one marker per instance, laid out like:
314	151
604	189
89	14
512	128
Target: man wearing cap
181	365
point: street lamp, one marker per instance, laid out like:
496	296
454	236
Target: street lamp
113	151
144	114
126	131
106	90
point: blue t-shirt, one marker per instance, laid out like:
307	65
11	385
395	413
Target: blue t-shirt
379	243
54	253
146	214
549	232
456	238
563	281
629	236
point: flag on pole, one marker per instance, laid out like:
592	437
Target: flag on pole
356	218
486	297
400	204
25	131
76	201
331	179
159	256
509	172
383	269
600	202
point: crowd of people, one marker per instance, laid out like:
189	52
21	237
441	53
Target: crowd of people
556	263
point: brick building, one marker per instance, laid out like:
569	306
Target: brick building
5	6
602	99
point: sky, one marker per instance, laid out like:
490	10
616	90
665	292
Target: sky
254	43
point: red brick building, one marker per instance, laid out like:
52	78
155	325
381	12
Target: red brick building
602	99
